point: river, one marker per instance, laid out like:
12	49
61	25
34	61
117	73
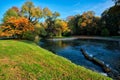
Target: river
104	50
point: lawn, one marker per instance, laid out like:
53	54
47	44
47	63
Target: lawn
24	60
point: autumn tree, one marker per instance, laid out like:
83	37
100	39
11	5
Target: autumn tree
47	13
85	24
16	27
89	23
32	13
61	27
40	29
50	21
12	12
0	32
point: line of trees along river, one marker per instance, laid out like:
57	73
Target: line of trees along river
25	23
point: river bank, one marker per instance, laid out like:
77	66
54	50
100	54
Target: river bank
99	47
86	37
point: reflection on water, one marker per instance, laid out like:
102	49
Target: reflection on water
107	51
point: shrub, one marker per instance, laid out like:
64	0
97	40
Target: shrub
29	36
105	32
67	33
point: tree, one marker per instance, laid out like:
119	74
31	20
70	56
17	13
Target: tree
16	27
15	9
117	2
0	32
111	20
55	15
47	13
50	21
61	27
40	30
88	23
85	24
32	13
105	32
73	24
12	12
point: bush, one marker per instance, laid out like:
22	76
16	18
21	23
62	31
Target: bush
29	36
67	34
43	33
105	32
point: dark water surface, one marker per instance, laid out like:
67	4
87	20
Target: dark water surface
106	51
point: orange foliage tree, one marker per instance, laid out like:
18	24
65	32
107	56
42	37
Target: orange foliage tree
16	27
87	18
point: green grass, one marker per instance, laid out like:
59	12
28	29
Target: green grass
24	60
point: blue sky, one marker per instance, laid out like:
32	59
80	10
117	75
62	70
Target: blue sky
64	7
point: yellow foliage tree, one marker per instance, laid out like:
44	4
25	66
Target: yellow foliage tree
61	27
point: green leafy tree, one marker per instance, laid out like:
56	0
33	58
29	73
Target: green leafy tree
12	12
111	20
73	22
105	32
116	2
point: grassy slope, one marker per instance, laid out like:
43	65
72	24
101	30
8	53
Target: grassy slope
23	60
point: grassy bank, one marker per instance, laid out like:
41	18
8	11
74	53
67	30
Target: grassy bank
24	60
